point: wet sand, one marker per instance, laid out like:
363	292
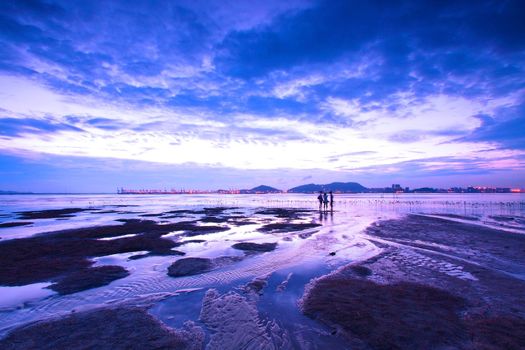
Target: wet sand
437	284
427	282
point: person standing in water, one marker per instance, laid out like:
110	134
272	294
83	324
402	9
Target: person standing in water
331	200
320	199
325	199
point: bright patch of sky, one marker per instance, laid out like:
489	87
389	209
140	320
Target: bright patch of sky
270	91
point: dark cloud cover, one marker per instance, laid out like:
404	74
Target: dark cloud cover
396	28
509	132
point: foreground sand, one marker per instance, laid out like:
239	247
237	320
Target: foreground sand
437	284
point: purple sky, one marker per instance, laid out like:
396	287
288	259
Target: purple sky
231	94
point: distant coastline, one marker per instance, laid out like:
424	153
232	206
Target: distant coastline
336	187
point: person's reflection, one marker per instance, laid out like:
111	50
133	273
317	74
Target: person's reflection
323	215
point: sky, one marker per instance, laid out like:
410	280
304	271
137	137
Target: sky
96	95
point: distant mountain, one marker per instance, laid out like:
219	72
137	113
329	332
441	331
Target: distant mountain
348	187
425	190
262	189
14	192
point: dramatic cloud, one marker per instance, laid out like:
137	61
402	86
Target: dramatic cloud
328	88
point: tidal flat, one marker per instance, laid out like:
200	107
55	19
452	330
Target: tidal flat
262	272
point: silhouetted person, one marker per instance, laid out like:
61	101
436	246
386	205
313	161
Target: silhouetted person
320	199
325	200
331	201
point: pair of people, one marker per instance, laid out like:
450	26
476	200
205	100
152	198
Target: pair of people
323	200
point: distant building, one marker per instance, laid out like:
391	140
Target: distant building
483	189
503	190
231	191
396	188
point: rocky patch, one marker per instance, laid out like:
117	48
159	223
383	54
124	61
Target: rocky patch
285	213
195	266
257	247
15	224
104	329
190	266
88	278
49	214
437	284
51	256
398	316
286	227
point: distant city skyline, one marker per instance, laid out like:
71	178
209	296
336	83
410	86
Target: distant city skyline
394	188
316	188
205	94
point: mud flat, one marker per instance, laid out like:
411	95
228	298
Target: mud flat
286	227
119	328
286	213
190	266
195	266
438	284
50	214
75	261
64	256
256	247
51	256
88	278
415	282
15	224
